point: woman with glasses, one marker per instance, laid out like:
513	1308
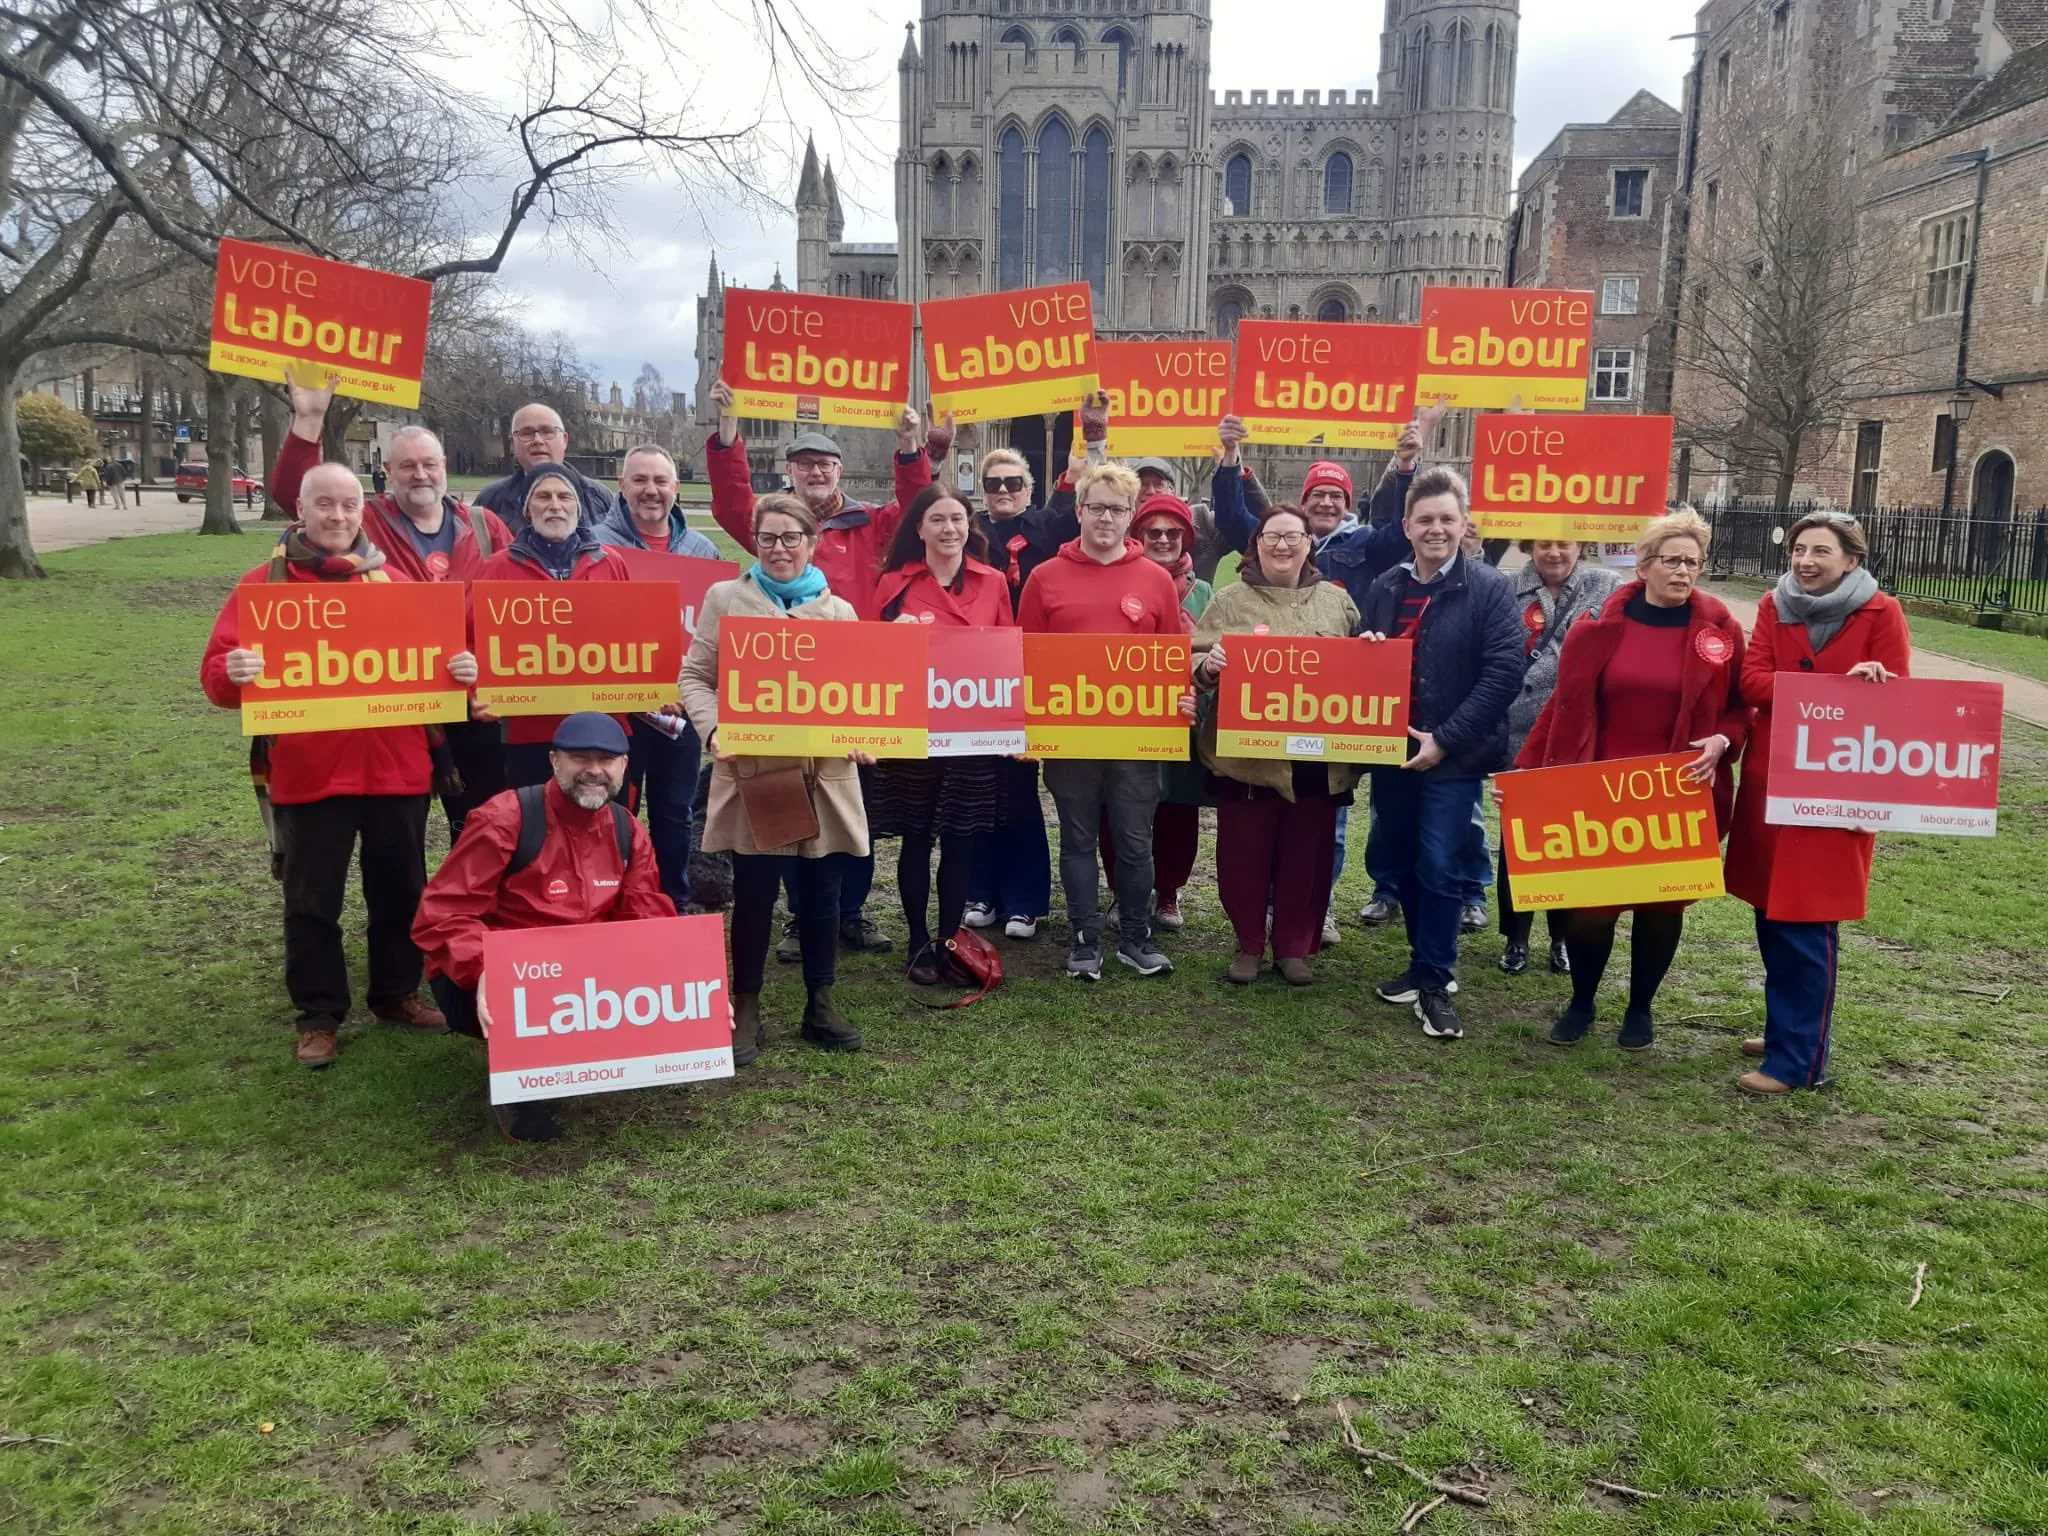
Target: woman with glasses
1010	870
777	816
1658	670
934	573
1276	821
1826	616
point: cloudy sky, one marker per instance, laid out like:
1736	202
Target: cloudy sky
1580	60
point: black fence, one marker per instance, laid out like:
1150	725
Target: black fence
1988	563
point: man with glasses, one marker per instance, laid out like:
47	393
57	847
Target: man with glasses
1102	584
538	437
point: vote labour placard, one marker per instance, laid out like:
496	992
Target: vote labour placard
790	689
597	1007
273	308
1165	397
343	655
554	647
1590	478
814	357
1014	353
1340	701
1911	755
1325	384
692	575
1609	834
975	688
1493	347
1105	696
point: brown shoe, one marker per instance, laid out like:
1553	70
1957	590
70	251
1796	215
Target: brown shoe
1758	1082
1294	971
749	1034
1753	1046
318	1046
1244	969
410	1013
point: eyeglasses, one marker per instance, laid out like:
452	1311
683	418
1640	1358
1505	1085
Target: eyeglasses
1282	540
535	434
1680	562
780	540
1106	508
992	485
1161	535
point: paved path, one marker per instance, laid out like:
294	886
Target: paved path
2025	698
54	523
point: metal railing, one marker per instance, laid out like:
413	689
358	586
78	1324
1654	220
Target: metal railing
1995	563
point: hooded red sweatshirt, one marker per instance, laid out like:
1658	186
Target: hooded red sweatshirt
1073	594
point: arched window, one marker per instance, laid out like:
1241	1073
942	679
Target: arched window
1332	310
1095	184
1237	186
941	172
1011	194
1228	313
1122	40
1337	183
1461	55
1069	37
1421	65
1055	204
1020	36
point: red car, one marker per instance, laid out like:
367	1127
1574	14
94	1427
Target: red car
191	482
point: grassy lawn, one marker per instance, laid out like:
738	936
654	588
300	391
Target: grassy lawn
2024	654
1071	1261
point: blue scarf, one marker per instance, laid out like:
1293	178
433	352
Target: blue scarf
809	583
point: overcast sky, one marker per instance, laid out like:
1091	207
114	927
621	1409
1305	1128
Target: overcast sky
1580	60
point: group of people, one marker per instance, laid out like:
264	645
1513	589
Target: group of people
108	476
1562	662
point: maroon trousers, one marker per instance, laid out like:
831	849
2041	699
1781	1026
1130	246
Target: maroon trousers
1176	837
1284	851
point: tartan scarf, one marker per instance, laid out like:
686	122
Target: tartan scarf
362	559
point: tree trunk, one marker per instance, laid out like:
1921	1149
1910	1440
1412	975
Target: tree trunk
1788	470
341	415
145	436
220	459
17	555
272	422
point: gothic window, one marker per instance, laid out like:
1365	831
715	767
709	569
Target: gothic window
1337	183
1010	198
1166	199
1095	185
1500	57
1165	291
1237	186
1228	313
967	197
1068	37
1372	202
1055	203
941	196
1122	40
1464	181
1138	196
1019	36
1331	309
1459	54
1137	293
1420	55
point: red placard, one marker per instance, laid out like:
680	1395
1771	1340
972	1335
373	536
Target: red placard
1325	384
1292	696
1569	477
554	647
1609	834
821	690
598	1007
1165	397
345	655
976	692
1505	348
273	309
691	573
1013	353
1106	696
1911	755
816	357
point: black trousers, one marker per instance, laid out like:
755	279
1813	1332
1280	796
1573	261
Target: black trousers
1515	926
458	1005
756	880
317	839
478	750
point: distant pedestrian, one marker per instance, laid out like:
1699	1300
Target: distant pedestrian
88	480
377	477
116	477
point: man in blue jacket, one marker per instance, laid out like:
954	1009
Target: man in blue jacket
538	437
662	770
1460	614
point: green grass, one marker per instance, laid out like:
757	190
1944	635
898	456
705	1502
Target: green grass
1071	1261
2026	655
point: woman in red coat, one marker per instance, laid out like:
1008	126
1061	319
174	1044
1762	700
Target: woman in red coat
934	574
1825	616
1658	669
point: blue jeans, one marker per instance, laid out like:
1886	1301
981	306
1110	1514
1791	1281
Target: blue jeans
1011	868
1475	868
1799	998
1343	823
662	775
1425	829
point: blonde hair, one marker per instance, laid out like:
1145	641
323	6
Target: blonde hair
1008	456
1682	524
1118	477
788	506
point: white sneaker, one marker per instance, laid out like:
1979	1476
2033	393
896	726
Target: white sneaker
1021	927
1331	933
980	915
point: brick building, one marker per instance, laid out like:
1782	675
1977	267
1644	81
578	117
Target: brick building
1591	213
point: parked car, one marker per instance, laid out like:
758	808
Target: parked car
191	482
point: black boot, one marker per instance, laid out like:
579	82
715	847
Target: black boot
749	1034
825	1026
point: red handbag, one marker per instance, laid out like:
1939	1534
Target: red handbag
976	959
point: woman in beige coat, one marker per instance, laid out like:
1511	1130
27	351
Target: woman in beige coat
777	816
1276	820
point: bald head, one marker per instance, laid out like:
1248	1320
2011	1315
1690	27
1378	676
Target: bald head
331	508
538	436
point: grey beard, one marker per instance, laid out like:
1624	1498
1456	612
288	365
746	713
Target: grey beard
589	797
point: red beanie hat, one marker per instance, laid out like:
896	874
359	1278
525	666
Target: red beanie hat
1172	506
1322	473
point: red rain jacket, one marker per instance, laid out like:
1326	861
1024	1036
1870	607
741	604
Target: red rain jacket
382	516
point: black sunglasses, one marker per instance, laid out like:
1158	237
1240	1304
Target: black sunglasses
994	484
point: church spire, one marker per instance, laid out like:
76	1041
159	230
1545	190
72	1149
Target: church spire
909	58
835	216
810	189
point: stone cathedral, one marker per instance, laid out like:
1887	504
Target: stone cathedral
1060	140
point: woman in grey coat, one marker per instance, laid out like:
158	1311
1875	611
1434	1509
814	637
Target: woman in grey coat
1552	592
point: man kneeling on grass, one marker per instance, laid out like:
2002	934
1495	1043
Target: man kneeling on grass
552	855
